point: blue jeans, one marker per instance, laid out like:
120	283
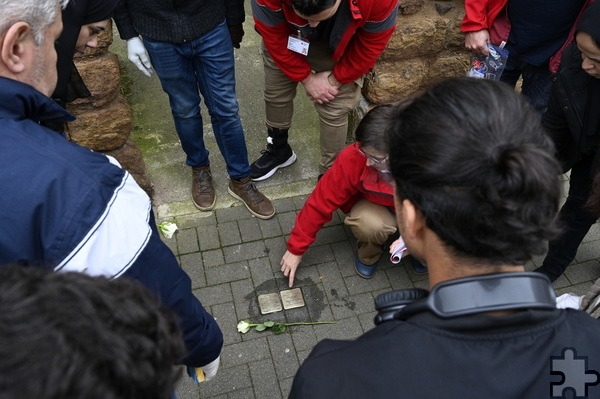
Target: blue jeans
537	81
204	65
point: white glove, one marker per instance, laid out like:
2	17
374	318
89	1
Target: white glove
210	370
136	52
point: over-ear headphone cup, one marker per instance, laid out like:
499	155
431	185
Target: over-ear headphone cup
388	303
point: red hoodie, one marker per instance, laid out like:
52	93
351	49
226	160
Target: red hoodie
348	181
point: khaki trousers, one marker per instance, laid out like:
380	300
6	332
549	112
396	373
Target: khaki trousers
333	116
371	224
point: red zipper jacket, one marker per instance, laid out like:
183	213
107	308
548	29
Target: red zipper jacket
361	32
348	181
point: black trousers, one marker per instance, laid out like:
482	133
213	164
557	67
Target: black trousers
574	219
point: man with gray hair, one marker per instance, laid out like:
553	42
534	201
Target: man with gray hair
71	209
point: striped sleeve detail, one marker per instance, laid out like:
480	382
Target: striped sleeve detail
381	26
118	237
266	15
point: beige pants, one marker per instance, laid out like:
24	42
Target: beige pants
371	224
333	116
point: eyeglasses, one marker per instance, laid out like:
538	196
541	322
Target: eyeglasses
373	159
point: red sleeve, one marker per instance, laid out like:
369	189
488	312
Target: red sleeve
361	55
368	42
480	14
335	188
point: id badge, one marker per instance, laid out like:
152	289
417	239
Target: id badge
298	45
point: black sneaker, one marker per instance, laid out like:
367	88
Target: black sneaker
271	160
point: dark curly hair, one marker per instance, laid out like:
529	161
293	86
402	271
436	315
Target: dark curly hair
69	335
471	155
312	7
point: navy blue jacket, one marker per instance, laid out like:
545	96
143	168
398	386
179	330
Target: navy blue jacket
72	209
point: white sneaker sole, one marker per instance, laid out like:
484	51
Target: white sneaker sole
290	161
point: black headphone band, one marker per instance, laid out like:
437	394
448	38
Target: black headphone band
470	295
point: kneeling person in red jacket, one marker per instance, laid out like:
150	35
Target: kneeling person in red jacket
356	184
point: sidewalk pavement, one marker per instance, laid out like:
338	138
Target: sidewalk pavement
232	257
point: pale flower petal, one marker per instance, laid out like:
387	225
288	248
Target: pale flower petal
167	229
243	326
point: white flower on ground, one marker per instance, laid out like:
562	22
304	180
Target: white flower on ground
243	326
167	229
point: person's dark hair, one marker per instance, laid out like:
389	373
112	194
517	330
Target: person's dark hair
471	155
312	7
372	129
69	335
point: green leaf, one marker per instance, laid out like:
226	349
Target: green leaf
261	327
269	323
278	328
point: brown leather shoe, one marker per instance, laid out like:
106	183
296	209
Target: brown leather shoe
245	190
203	191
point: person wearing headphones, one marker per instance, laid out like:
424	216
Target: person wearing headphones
476	194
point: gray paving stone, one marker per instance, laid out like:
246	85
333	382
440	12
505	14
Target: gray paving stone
186	388
286	386
398	278
270	228
305	275
337	217
227	273
349	328
299	201
213	257
227	380
344	255
345	307
192	264
187	241
284	205
284	355
276	247
226	318
588	251
317	254
264	379
245	251
195	220
214	295
260	270
249	229
233	213
304	337
358	285
286	222
246	393
297	315
333	281
593	234
302	355
366	320
561	282
229	233
245	300
587	271
208	236
332	234
577	289
246	352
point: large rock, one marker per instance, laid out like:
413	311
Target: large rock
410	6
101	76
103	129
130	158
396	80
448	66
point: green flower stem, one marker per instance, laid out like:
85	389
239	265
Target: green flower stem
308	322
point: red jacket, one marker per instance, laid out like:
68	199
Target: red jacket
348	181
491	15
358	37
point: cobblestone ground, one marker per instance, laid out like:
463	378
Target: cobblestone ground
233	257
